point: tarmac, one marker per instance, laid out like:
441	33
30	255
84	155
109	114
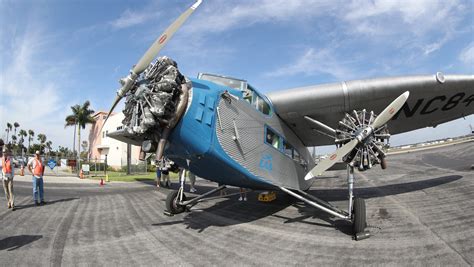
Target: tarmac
419	212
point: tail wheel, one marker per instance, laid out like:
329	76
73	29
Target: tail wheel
172	201
359	219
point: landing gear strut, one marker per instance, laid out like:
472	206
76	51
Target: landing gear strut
176	200
355	211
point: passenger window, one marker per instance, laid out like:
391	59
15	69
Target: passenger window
272	139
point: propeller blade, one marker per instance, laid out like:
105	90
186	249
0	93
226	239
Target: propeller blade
150	54
332	159
116	101
390	110
161	41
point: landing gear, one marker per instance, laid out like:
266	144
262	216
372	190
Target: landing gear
358	216
356	206
176	200
173	205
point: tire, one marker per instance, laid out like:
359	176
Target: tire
383	163
171	203
359	222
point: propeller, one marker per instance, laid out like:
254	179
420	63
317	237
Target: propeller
361	135
150	54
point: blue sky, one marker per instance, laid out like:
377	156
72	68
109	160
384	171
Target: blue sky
54	54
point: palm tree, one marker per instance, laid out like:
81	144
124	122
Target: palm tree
22	134
81	116
42	139
16	125
8	129
31	134
48	146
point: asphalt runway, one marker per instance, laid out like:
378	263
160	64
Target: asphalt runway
419	212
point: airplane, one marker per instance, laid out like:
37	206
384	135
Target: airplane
224	130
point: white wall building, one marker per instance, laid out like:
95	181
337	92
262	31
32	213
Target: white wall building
101	145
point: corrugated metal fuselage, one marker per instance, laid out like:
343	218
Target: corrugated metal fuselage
206	136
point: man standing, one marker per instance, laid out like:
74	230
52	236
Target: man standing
36	168
8	173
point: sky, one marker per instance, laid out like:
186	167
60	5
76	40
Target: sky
55	54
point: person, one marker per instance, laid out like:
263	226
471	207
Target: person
191	176
162	171
36	168
243	194
8	172
158	176
192	182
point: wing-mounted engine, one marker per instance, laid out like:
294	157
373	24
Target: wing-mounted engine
371	150
360	137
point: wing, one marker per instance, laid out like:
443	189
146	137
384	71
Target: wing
434	99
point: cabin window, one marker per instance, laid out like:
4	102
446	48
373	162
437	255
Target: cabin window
275	140
272	139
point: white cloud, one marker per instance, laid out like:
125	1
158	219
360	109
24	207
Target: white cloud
31	86
314	62
131	18
224	15
467	55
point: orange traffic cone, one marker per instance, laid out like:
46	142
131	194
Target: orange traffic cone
22	171
101	181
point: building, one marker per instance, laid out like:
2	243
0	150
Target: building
101	146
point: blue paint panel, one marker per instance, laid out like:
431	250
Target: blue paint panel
194	138
199	114
210	103
202	99
208	118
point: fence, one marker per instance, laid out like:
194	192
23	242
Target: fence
58	166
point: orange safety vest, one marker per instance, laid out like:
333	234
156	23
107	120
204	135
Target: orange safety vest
38	170
7	166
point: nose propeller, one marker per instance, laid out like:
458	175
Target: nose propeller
150	54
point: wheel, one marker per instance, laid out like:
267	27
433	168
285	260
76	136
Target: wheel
172	203
383	163
358	213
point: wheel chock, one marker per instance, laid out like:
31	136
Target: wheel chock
362	235
167	213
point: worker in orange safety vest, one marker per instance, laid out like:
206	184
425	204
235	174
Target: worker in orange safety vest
36	168
8	172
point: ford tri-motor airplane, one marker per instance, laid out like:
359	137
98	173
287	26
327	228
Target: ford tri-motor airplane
224	130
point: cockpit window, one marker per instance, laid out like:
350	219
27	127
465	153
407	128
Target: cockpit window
256	101
225	81
249	94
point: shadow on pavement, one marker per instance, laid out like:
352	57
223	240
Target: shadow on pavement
230	211
47	203
13	242
383	190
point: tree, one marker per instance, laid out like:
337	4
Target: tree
16	125
81	116
49	146
22	134
8	129
42	139
31	134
